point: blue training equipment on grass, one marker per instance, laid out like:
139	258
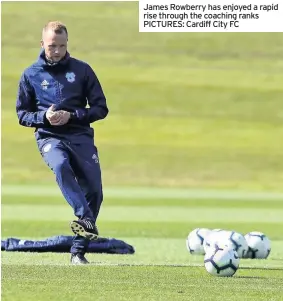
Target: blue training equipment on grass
62	244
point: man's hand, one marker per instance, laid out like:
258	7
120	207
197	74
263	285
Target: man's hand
57	117
52	116
64	117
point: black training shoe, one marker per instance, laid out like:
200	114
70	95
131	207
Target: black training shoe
86	228
78	259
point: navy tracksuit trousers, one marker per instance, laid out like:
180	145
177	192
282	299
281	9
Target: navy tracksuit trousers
78	174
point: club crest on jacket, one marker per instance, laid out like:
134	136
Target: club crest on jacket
70	76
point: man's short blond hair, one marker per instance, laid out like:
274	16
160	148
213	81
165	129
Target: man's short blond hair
57	26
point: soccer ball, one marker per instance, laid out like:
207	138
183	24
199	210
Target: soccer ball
233	240
195	239
259	245
223	262
229	239
211	240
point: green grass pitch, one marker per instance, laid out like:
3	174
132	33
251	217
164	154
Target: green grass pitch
193	139
161	269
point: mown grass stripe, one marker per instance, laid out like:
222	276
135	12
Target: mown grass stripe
135	213
173	202
149	192
44	229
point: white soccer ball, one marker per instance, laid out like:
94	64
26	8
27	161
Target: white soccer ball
233	240
259	245
211	240
223	262
195	239
229	239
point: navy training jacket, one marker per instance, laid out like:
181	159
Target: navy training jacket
70	85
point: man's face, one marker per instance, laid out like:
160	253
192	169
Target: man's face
54	44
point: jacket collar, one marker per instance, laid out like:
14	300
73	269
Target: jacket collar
44	63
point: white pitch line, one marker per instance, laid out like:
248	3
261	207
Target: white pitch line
135	264
148	193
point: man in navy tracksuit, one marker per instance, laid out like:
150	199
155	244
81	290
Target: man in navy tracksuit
52	97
